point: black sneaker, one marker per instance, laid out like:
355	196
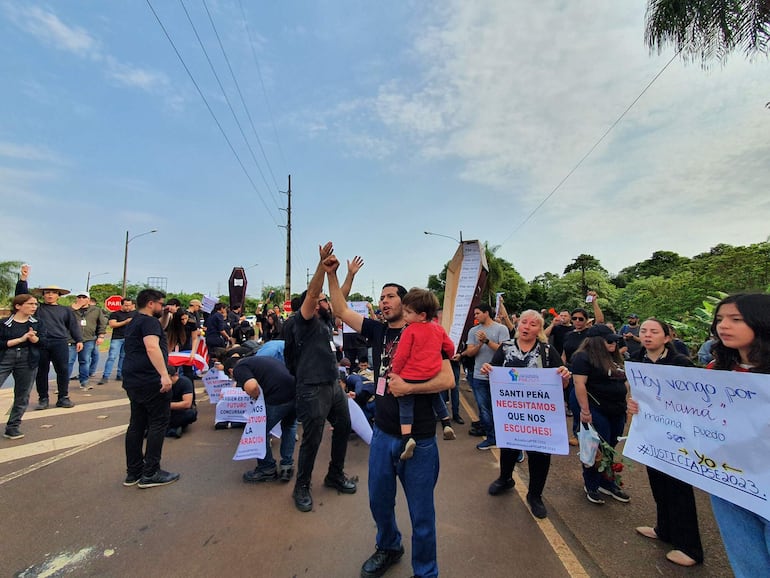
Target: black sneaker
616	493
160	478
119	378
102	381
594	496
64	402
340	483
174	432
499	486
43	403
255	476
131	480
537	507
13	434
286	473
302	498
379	562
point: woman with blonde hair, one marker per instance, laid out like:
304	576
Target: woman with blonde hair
529	348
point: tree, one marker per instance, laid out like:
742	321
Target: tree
707	29
583	263
661	264
9	274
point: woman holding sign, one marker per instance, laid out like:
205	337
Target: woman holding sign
677	519
742	326
600	390
529	348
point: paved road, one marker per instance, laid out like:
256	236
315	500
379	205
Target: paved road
65	511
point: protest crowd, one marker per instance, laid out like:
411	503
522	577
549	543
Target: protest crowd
391	377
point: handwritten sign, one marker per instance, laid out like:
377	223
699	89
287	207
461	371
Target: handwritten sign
233	405
253	439
214	381
467	284
707	428
528	409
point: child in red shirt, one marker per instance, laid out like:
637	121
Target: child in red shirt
419	358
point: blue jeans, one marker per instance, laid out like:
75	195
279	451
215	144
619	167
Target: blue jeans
746	536
484	400
609	427
84	360
117	352
286	414
418	477
16	361
94	360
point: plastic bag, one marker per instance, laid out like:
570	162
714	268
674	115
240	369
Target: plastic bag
589	443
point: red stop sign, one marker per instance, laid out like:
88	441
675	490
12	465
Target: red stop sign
112	303
287	306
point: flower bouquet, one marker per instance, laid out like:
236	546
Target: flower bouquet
607	464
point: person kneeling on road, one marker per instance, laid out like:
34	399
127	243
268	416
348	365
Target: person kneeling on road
183	409
269	376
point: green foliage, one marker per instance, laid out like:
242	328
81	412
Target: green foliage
9	274
360	297
661	264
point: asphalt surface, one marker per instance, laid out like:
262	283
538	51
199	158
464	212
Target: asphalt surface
65	510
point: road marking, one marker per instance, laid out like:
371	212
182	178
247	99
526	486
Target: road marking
562	550
76	443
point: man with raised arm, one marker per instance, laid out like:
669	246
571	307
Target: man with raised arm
418	475
319	395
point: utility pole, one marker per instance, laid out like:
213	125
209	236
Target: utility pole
287	284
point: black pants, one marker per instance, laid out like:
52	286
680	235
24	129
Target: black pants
150	411
58	353
316	403
677	521
538	464
182	417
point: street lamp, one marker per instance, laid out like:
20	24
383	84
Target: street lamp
88	279
125	255
446	236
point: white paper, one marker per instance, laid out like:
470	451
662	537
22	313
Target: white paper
252	445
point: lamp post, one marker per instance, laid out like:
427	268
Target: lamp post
125	255
446	236
88	279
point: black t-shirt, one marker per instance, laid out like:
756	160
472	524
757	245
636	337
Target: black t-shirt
182	386
316	355
215	324
558	333
120	332
386	413
606	393
138	370
190	327
275	381
572	341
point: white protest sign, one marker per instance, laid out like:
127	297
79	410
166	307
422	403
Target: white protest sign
528	409
232	405
360	307
707	428
208	304
214	381
252	445
359	423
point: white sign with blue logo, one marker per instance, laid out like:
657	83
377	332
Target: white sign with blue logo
528	409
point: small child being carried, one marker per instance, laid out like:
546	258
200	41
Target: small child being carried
418	358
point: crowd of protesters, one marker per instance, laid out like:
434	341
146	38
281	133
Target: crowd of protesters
306	371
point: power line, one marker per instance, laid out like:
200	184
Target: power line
591	150
243	102
227	99
208	106
262	83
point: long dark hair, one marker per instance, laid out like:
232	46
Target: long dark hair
176	332
755	310
600	357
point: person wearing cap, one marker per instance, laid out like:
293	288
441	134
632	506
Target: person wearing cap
630	332
93	327
601	390
62	327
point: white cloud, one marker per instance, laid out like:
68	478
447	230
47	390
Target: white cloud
49	28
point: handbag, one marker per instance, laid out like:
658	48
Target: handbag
589	443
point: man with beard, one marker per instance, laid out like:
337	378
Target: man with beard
319	396
148	387
418	475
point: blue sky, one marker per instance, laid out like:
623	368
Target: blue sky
392	118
